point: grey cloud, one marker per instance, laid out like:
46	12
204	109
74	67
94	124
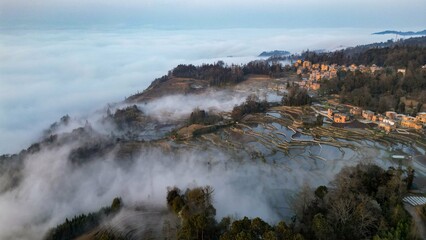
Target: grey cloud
178	106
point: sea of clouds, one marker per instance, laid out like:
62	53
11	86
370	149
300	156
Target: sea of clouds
48	73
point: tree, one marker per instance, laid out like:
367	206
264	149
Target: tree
259	228
116	204
251	105
199	116
340	214
321	191
196	212
296	96
84	223
366	216
401	107
383	105
302	200
362	202
410	177
175	200
321	227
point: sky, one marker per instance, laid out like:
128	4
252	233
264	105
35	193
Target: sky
216	14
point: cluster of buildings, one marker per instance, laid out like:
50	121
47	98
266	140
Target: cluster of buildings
389	121
312	74
337	116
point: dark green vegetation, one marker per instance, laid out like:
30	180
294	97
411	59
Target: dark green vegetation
128	118
296	96
257	229
196	211
363	202
64	121
276	53
389	54
83	223
217	74
190	79
251	105
199	116
221	75
409	33
271	68
94	145
385	89
380	91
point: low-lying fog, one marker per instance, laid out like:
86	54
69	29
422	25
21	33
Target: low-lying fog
53	188
47	73
179	106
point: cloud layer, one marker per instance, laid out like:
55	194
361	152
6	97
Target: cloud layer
52	188
45	74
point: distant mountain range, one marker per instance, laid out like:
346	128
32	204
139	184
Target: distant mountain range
409	33
275	53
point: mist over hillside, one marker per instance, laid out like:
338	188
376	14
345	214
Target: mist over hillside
111	130
76	71
139	148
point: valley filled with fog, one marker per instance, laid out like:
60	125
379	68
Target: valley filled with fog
78	130
48	73
127	150
212	120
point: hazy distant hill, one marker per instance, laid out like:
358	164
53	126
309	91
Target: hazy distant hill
389	53
274	53
409	33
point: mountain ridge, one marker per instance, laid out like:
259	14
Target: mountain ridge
407	33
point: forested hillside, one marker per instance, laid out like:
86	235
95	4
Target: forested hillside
383	90
411	51
362	202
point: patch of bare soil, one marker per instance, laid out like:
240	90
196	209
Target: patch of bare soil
170	86
186	132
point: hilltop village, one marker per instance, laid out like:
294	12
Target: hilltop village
313	75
